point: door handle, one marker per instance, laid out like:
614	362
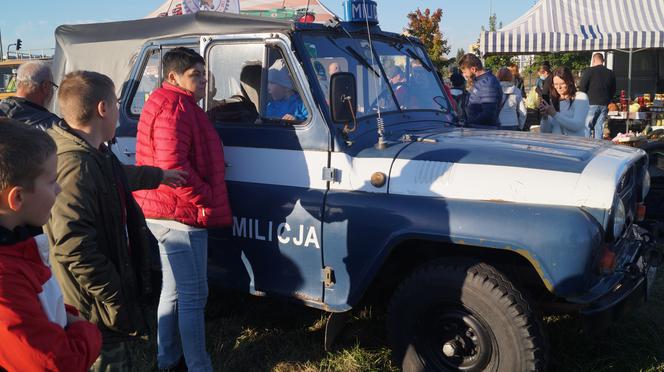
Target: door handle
128	153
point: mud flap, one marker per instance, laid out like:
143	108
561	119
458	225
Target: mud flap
335	324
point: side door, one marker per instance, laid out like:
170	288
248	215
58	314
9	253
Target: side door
144	79
276	147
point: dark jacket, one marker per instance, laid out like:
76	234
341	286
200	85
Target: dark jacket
99	250
483	104
599	83
28	112
519	84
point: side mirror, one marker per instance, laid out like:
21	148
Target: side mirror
343	91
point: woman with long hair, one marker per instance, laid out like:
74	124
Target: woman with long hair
512	108
517	79
567	111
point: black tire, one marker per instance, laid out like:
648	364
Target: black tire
462	315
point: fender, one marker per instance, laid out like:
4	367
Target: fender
361	230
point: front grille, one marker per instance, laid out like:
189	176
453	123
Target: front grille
629	188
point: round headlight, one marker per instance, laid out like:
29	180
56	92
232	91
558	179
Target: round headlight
645	189
618	219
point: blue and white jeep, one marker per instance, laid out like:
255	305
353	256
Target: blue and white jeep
471	235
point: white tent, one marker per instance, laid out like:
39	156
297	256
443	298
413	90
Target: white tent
552	26
580	25
179	7
314	7
281	9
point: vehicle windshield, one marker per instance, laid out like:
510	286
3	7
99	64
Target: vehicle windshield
8	78
397	78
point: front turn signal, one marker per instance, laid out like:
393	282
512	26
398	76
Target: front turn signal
607	260
640	212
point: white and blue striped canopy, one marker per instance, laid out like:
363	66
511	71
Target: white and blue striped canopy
580	25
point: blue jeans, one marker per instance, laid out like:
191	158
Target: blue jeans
184	291
595	119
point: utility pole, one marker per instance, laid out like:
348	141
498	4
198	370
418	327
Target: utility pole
2	52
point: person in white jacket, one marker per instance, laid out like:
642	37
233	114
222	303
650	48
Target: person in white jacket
512	108
567	112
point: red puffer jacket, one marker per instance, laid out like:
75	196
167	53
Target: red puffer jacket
175	133
29	341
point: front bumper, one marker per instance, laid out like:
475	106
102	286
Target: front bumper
629	292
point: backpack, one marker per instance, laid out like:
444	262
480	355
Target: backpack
516	109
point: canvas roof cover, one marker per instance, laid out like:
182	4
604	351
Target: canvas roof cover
580	25
110	48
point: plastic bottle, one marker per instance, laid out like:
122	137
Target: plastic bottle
623	102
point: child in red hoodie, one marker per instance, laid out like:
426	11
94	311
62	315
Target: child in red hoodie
37	331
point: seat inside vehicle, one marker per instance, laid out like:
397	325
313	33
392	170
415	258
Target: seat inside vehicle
241	107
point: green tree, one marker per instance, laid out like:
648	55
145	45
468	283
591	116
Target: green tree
426	26
576	61
460	52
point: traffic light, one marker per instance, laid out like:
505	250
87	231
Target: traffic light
18	44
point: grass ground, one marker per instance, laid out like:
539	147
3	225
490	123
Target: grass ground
258	334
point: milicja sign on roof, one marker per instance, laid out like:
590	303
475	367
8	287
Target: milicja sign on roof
298	10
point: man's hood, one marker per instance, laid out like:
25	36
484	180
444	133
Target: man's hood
67	141
508	88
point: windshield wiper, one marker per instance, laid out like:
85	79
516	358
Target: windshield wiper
412	54
362	60
353	53
422	61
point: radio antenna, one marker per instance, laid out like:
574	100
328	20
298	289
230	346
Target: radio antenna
380	123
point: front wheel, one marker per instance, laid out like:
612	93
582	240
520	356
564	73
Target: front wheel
464	316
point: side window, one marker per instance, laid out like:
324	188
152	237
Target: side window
283	101
234	82
8	79
149	82
150	78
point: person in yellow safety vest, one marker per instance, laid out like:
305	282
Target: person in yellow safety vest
11	85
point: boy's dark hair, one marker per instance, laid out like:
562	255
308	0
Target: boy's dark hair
470	60
180	60
23	151
81	91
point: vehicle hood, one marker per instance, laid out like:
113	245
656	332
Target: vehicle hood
511	166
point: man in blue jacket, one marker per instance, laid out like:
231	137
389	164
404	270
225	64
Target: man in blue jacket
485	95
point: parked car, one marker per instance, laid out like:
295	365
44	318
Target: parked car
471	235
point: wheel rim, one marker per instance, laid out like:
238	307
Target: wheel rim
451	337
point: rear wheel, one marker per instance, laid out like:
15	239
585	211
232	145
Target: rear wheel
464	316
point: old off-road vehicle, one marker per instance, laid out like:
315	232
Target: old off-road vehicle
472	235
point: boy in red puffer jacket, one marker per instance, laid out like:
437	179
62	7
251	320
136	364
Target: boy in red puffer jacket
37	331
175	133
